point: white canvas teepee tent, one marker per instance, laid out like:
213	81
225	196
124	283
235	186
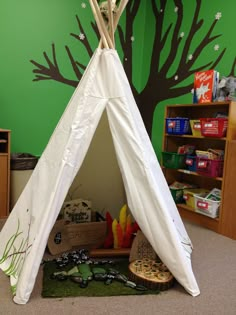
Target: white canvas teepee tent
104	86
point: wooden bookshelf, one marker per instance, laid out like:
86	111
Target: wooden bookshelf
4	172
226	222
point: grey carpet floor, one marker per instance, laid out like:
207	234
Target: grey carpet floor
214	266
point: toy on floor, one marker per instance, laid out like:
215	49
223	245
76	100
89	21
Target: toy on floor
83	274
152	274
145	266
86	270
120	233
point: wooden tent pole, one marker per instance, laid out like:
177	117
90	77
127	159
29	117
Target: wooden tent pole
111	22
100	45
121	8
103	38
107	38
102	24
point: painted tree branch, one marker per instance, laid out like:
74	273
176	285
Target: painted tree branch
232	71
158	42
185	65
85	40
202	45
131	12
175	42
75	64
52	70
194	28
125	40
95	29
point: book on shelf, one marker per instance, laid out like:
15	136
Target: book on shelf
205	86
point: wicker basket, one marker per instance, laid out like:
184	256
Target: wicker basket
23	161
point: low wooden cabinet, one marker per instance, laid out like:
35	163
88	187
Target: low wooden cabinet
225	224
4	172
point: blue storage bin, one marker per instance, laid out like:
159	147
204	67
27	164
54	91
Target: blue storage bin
177	126
191	162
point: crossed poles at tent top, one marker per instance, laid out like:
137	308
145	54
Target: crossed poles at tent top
107	25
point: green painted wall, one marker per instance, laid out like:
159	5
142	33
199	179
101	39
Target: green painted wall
29	27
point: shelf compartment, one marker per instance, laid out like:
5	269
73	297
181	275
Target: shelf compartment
196	137
197	174
3	144
209	167
173	160
214	127
172	143
4	172
177	125
198	218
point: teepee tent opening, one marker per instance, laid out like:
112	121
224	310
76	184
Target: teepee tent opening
103	87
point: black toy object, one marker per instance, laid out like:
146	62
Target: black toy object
82	274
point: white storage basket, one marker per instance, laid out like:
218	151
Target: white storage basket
207	207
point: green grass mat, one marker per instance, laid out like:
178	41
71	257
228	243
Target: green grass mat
56	288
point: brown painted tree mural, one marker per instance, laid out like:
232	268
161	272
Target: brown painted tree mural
170	86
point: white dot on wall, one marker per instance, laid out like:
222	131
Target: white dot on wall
218	15
82	36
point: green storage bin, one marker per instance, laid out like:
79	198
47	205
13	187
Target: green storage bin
177	194
173	160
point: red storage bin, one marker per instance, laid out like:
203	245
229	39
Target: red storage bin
214	127
208	167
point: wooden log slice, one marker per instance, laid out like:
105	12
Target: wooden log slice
150	273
